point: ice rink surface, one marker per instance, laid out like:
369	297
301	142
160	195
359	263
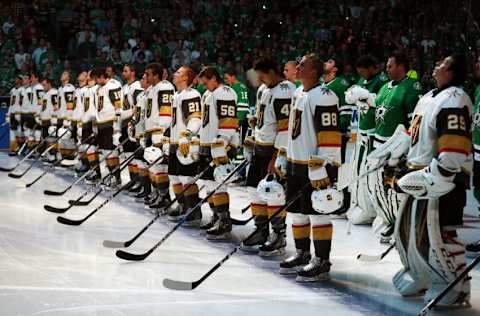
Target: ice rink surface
47	268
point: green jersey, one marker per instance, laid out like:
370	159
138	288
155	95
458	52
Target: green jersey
200	88
366	121
339	85
242	100
394	105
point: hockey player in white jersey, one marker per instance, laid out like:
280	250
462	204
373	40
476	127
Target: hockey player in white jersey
130	91
85	125
21	110
76	121
108	121
440	153
218	141
157	120
136	133
12	112
313	155
67	145
48	117
186	123
271	133
35	131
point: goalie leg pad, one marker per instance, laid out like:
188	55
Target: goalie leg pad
446	260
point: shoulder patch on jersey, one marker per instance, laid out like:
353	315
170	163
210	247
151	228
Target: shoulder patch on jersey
383	77
325	90
344	82
417	86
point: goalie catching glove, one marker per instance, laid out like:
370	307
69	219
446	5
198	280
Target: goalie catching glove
427	183
361	97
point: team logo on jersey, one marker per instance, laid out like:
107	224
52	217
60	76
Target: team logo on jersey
44	105
149	107
380	113
417	86
86	104
126	103
30	96
261	115
415	128
296	123
100	103
136	113
206	114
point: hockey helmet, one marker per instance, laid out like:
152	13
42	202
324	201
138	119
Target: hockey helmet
327	201
192	155
221	172
152	153
269	189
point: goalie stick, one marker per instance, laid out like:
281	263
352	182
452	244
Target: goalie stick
370	258
50	168
72	222
449	287
125	244
138	257
18	176
186	286
86	174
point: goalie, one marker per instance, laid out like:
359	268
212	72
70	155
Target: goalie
440	154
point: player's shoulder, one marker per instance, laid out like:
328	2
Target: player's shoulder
165	85
453	97
412	84
53	91
224	91
322	95
113	84
344	82
190	93
136	85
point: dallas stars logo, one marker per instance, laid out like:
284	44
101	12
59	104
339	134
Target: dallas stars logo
283	86
380	113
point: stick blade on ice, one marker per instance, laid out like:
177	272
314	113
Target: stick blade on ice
56	209
130	256
178	285
49	192
368	258
6	169
113	244
15	176
67	221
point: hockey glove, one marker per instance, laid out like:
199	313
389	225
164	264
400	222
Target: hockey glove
184	142
281	162
116	138
219	152
248	147
252	122
317	173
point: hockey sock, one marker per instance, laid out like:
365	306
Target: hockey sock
301	231
191	199
260	212
322	231
94	162
133	171
112	163
221	200
177	189
278	222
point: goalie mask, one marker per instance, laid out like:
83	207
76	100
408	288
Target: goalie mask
152	153
327	201
192	155
221	172
270	190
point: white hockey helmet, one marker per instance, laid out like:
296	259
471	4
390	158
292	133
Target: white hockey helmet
152	153
192	155
327	201
221	172
269	189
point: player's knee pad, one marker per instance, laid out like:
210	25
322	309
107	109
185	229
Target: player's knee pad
37	135
157	140
299	219
209	185
186	179
92	153
320	220
174	179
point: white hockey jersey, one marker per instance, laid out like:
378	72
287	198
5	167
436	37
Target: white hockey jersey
158	107
14	99
130	99
36	103
272	115
219	116
65	96
78	96
50	106
26	100
186	113
313	127
109	102
440	129
139	113
19	101
89	112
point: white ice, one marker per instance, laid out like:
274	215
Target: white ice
47	268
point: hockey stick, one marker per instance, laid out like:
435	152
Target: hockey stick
85	193
124	244
369	258
186	286
24	158
18	176
71	222
240	222
345	184
449	287
86	174
138	257
51	167
245	208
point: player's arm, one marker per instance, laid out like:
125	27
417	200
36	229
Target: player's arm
164	103
192	114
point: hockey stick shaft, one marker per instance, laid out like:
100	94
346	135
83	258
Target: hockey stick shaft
39	156
51	167
450	286
114	244
361	176
369	258
86	174
67	221
178	285
128	256
26	157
